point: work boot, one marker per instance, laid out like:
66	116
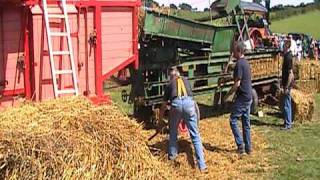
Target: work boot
240	149
248	152
285	128
204	171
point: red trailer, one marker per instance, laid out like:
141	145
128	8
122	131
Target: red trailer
104	37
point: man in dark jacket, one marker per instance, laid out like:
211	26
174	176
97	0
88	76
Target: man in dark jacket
287	80
179	94
241	108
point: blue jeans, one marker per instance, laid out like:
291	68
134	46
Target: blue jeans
241	110
287	110
184	108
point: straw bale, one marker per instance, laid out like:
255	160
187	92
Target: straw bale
307	70
220	155
303	105
262	68
308	86
71	139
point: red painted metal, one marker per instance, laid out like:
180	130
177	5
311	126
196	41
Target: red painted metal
92	3
13	92
108	3
120	67
135	31
97	69
27	74
98	52
86	50
3	74
183	127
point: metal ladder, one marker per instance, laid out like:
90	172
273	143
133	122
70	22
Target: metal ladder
50	34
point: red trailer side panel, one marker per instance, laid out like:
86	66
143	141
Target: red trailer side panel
117	43
42	68
11	52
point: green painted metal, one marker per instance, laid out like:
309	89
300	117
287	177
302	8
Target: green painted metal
168	26
223	39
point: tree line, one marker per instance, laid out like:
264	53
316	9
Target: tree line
281	12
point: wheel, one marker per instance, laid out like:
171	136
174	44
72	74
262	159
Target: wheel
143	113
218	99
255	102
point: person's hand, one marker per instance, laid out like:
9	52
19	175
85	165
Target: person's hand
225	98
286	91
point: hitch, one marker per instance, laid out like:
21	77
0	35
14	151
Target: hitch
124	96
93	38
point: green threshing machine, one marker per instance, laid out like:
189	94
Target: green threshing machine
201	52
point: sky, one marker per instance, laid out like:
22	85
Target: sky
201	4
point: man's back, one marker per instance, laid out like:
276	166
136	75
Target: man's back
172	89
243	72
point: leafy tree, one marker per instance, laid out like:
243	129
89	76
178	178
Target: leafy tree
185	6
173	6
150	3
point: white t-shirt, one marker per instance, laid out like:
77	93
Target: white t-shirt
293	47
299	46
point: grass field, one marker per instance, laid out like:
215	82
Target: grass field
295	153
307	23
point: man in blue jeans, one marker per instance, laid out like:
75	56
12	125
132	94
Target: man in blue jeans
287	79
241	108
179	94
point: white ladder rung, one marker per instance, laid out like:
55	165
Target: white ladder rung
63	72
59	34
48	24
66	91
57	16
58	53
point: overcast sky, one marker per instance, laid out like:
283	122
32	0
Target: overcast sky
201	4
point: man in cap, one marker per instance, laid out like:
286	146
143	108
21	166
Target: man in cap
179	94
241	108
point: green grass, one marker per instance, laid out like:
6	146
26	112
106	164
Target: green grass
295	153
306	23
114	90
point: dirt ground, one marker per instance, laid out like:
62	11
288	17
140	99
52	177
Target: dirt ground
220	153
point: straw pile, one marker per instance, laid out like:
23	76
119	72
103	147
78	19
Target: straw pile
71	139
303	105
219	147
307	70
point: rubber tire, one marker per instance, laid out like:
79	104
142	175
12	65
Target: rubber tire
255	102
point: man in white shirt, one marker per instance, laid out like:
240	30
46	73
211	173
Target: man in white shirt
293	47
299	49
